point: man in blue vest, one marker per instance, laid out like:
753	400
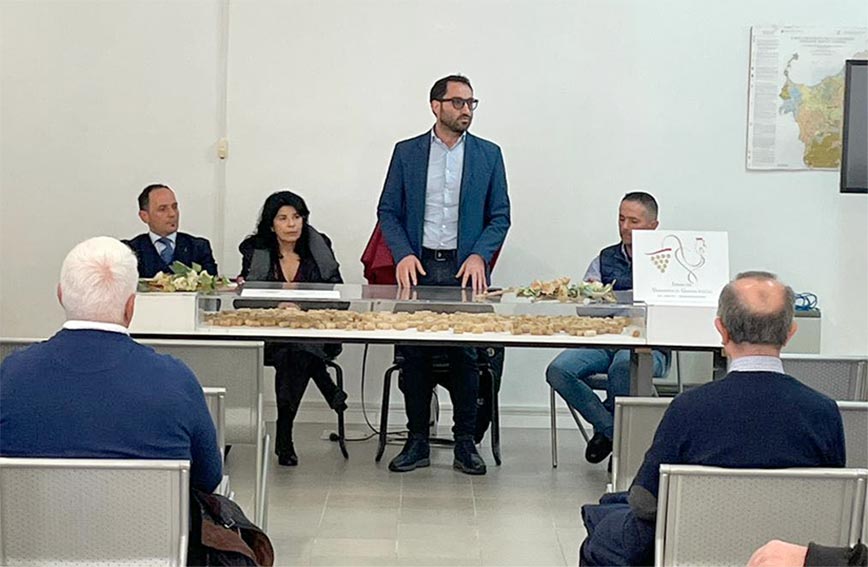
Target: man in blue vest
444	213
163	244
570	372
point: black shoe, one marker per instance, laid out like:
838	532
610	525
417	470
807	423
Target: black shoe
467	459
287	458
415	454
338	401
598	449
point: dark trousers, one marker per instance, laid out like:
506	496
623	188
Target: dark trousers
615	535
294	369
418	379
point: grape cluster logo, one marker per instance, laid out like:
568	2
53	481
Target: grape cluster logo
690	260
660	259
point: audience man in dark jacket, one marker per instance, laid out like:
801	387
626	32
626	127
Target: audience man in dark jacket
92	392
755	417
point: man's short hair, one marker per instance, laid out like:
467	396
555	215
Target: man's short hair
438	91
644	199
145	195
748	326
97	278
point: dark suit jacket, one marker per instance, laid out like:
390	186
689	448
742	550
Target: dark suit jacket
188	249
483	209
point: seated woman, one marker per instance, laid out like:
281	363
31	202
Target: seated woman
285	248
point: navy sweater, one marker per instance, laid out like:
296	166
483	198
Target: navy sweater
761	420
98	394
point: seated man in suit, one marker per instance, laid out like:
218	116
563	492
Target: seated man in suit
90	391
570	371
755	417
163	244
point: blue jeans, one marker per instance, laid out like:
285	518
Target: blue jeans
569	372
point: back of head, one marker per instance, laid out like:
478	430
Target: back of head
97	279
757	309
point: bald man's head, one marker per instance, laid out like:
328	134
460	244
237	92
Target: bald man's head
756	308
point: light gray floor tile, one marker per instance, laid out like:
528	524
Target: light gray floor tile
441	502
328	511
440	547
570	541
353	547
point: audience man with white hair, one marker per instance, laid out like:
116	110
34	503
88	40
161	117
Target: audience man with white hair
91	391
755	417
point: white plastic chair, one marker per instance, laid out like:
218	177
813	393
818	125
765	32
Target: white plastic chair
215	398
636	421
237	366
839	377
855	418
715	516
93	511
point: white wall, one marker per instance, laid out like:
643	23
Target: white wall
587	99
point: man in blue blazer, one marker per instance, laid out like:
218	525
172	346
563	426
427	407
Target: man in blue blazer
163	244
444	213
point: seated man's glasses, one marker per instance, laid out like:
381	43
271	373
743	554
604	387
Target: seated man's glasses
458	103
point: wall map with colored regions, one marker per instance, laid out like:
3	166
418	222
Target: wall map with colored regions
796	98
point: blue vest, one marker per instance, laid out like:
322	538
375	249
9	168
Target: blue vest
615	266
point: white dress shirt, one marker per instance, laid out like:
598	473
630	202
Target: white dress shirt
757	364
159	245
442	194
76	325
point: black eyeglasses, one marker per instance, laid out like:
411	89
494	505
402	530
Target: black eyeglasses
458	103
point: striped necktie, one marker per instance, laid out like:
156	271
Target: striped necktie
168	250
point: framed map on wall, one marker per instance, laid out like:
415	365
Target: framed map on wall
796	95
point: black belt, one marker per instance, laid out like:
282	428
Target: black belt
439	255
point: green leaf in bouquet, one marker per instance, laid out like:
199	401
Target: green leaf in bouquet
196	267
179	268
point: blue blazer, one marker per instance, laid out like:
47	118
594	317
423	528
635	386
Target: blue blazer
188	249
483	207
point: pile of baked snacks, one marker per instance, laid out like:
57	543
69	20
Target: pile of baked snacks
423	321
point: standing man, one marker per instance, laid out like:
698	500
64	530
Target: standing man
444	212
570	371
163	244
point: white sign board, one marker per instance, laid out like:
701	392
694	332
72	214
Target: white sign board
679	267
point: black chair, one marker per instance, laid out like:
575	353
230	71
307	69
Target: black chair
490	366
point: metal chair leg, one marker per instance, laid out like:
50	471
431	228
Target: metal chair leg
384	412
582	429
342	437
495	419
554	425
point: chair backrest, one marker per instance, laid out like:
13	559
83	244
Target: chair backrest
714	516
93	511
855	418
839	377
216	400
9	345
236	366
636	421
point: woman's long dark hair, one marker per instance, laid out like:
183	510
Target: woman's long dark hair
264	235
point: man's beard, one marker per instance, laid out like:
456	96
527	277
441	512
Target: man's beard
456	125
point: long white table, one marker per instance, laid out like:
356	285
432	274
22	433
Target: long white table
177	316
